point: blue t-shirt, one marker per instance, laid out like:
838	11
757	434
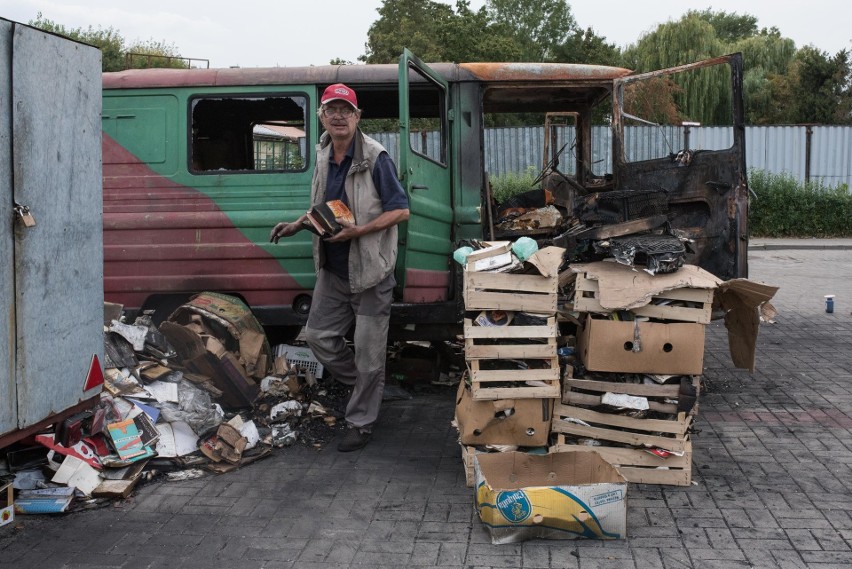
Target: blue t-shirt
390	190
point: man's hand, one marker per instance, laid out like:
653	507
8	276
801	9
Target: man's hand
285	229
349	231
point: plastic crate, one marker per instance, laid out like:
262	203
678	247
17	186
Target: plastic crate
300	356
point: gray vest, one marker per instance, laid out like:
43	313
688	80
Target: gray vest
371	257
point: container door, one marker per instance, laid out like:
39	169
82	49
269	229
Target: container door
424	166
58	262
682	130
8	398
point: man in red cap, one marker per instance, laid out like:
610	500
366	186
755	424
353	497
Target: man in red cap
355	267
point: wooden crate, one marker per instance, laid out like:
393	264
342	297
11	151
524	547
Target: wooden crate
507	291
639	466
622	429
574	393
635	464
699	309
493	344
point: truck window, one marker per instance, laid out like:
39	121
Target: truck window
671	113
248	134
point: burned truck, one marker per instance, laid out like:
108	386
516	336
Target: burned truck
199	164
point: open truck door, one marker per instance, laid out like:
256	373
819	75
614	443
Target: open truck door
425	173
699	160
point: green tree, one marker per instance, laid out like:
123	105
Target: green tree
468	36
108	40
584	46
704	96
822	88
729	27
414	24
766	81
152	53
539	27
112	45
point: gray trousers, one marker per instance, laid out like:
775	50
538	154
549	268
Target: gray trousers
333	311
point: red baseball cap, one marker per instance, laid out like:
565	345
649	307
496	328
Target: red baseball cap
339	92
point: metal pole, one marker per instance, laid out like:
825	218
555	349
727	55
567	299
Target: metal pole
808	135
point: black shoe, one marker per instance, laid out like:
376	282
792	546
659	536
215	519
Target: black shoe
353	440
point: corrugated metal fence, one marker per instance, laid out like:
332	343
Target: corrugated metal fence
819	153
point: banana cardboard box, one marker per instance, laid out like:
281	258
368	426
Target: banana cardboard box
566	495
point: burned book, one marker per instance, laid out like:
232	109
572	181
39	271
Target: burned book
325	219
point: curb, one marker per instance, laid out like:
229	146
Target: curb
782	246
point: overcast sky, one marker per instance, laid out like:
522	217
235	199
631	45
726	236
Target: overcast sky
254	33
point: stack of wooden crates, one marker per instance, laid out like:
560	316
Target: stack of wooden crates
662	338
632	325
510	336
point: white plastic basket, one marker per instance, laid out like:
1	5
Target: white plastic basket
300	356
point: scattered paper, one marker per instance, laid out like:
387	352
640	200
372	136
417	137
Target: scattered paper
176	439
163	391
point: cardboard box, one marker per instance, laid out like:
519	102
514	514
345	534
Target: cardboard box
522	422
496	254
743	302
639	465
642	347
554	496
467	460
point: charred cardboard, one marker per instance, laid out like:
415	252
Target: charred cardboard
642	347
566	495
624	288
743	302
220	312
487	423
225	372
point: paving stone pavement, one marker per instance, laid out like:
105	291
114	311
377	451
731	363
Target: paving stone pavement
772	469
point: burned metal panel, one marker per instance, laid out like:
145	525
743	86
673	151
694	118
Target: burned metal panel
707	189
8	392
56	97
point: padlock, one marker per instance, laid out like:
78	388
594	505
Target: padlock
25	216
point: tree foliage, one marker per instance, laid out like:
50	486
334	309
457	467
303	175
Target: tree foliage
539	27
112	45
729	27
703	95
766	87
501	30
585	46
414	24
822	87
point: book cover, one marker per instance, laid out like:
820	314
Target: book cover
323	219
126	439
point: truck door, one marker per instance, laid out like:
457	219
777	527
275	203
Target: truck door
424	167
682	130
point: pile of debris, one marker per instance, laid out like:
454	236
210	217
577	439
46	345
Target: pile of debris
201	393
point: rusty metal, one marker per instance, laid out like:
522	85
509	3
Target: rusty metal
373	73
543	71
